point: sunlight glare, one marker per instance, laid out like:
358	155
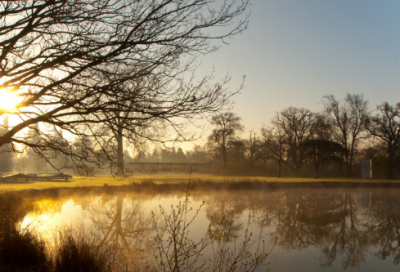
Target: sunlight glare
8	100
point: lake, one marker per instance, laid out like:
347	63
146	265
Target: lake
301	229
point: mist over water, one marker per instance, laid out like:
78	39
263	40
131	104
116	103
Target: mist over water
313	230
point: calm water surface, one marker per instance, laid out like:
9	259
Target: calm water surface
306	230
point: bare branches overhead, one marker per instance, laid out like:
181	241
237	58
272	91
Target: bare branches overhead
74	63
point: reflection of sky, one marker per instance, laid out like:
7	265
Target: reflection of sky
47	219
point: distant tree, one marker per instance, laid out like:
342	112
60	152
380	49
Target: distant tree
237	156
320	151
346	119
275	146
321	128
197	155
173	155
385	127
253	148
295	125
227	126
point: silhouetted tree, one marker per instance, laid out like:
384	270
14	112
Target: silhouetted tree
347	123
55	55
275	146
253	148
296	125
386	128
320	151
321	128
227	125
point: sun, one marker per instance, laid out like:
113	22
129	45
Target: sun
8	100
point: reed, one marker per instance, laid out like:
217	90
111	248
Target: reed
78	254
22	251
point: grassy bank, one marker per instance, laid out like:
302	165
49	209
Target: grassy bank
111	181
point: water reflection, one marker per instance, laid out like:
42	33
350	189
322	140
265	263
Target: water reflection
124	226
349	228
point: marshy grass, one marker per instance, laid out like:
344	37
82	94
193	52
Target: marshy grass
79	255
19	250
23	251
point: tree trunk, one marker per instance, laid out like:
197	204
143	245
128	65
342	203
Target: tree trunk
120	153
224	158
391	165
279	168
316	166
298	167
348	169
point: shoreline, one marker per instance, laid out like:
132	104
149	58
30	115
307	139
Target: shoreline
245	181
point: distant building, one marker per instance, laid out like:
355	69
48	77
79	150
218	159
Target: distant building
366	168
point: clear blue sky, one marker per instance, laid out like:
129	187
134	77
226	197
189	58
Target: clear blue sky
297	51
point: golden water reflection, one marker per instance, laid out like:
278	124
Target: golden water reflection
318	229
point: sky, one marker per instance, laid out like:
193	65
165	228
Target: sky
296	51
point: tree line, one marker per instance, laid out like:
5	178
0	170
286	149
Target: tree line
296	143
299	142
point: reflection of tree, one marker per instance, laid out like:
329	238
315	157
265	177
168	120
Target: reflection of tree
296	226
344	224
327	220
385	231
347	239
267	210
124	227
292	233
222	212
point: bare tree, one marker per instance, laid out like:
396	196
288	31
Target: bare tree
56	54
320	151
386	128
347	123
275	146
253	148
227	126
154	105
295	125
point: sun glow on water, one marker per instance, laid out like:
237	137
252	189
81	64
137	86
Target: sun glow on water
47	216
